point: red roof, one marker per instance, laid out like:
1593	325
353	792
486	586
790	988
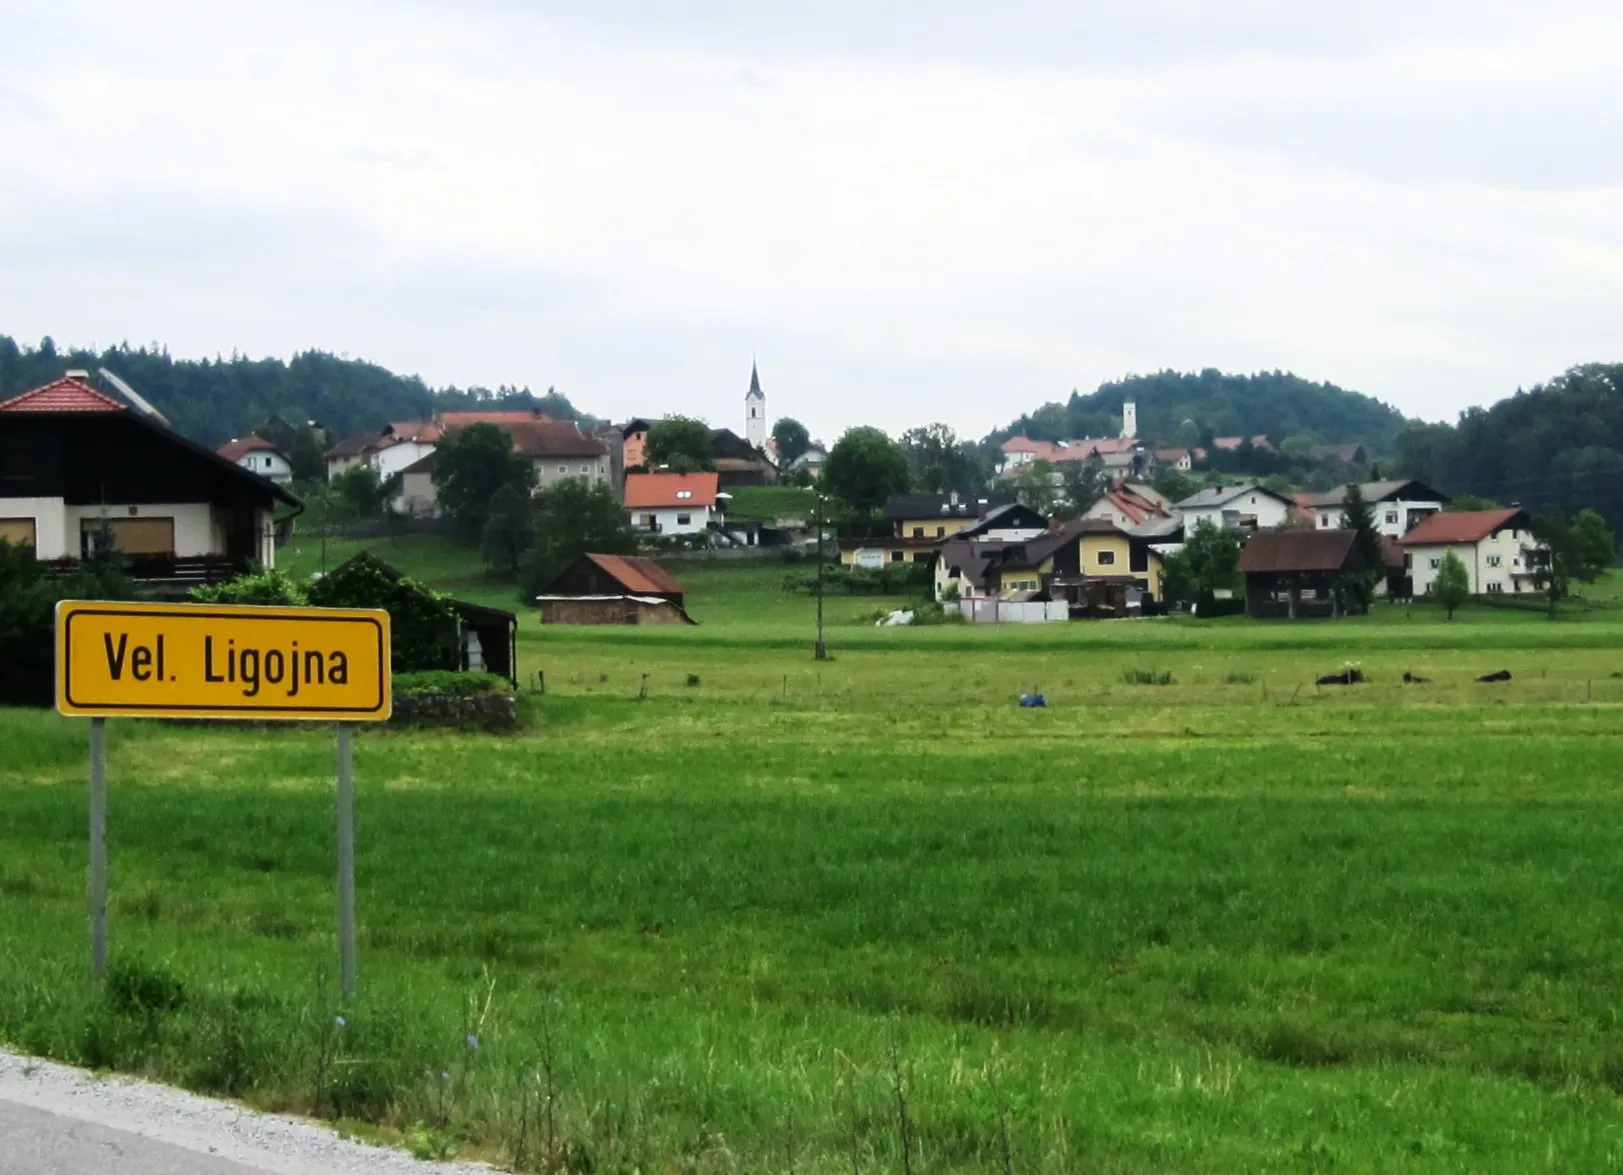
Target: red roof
1463	526
454	420
64	395
236	449
1260	441
639	575
650	491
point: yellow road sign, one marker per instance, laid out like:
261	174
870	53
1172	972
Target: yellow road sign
221	661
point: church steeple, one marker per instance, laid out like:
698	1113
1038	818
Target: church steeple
755	410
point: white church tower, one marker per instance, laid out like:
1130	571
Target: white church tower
1129	420
755	411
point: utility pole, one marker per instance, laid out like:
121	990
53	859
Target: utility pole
821	651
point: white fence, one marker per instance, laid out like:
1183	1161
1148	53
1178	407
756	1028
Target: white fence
995	611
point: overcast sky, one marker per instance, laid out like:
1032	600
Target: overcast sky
908	210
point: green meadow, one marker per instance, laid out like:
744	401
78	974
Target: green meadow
722	908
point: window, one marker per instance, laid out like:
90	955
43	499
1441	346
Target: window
586	469
896	556
1107	558
1138	559
1493	560
684	519
1324	520
19	531
1436	563
1495	588
563	469
131	536
684	494
940	532
1391	518
918	532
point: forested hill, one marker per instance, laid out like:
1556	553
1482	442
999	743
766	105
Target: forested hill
212	401
1557	448
1180	408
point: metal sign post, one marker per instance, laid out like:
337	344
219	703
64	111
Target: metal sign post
222	661
346	865
98	848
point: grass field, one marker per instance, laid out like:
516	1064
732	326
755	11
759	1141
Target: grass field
870	915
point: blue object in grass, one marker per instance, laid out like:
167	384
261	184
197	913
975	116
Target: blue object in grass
1033	701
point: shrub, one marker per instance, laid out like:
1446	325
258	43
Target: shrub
422	624
270	587
28	598
451	683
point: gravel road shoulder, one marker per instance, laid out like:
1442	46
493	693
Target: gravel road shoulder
65	1099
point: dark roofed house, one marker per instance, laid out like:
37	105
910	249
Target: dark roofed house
614	589
1297	573
78	467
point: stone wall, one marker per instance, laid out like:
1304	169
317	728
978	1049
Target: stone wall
495	713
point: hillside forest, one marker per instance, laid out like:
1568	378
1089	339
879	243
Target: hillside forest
213	400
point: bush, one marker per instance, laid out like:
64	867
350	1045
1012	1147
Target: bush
451	683
422	623
1212	609
28	598
272	587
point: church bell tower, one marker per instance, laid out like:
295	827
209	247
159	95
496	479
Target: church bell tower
755	411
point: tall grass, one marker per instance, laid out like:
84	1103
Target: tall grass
870	915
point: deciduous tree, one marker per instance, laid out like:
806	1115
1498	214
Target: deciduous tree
1452	587
474	465
681	443
864	468
792	440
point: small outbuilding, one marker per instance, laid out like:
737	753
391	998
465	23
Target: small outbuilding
1297	573
614	589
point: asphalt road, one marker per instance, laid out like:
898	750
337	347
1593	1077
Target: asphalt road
37	1142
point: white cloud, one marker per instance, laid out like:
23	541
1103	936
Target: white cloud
921	213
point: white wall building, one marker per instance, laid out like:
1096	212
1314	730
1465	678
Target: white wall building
1246	506
755	412
1398	506
258	455
1497	547
673	503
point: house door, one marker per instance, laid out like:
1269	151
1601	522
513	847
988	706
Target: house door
131	536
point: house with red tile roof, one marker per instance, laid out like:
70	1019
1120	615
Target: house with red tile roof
80	468
256	453
673	503
1498	547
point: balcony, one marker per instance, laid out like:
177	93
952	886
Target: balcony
169	573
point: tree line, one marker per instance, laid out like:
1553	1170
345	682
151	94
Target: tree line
1556	448
213	400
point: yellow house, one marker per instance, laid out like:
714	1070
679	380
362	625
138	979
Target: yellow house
1092	563
929	516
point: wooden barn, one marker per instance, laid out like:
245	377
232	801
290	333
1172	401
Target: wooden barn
614	589
1297	573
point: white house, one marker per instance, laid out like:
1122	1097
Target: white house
1497	547
256	453
673	503
1398	506
1246	506
404	444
